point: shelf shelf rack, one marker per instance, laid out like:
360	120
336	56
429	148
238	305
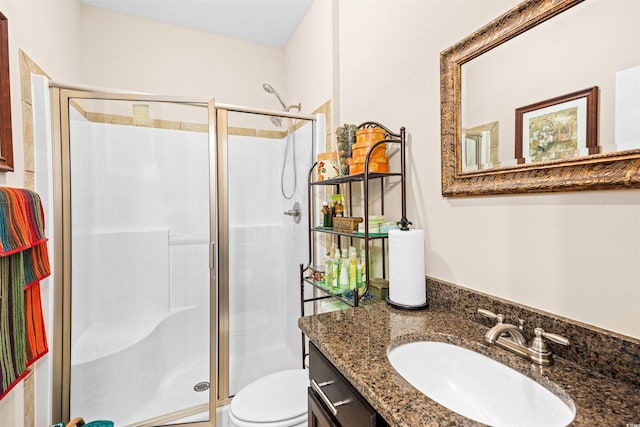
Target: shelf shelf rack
366	177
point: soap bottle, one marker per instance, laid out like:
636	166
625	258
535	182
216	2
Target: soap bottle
339	208
335	273
353	267
363	267
359	270
344	270
328	271
326	215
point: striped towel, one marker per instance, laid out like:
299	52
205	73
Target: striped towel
22	224
24	261
13	366
36	336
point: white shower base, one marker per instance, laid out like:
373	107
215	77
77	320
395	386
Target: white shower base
129	371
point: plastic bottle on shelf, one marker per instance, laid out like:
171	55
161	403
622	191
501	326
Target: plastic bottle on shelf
363	267
335	274
328	271
344	270
353	267
326	215
339	208
359	270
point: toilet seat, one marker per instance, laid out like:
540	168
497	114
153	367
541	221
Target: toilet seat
276	400
300	421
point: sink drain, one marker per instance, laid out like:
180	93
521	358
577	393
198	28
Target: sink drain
201	386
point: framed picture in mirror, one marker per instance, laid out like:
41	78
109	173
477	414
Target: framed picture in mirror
6	140
559	128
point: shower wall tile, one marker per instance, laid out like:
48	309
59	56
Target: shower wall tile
194	127
241	131
176	125
27	68
109	118
272	134
326	110
29	180
166	124
27	137
29	404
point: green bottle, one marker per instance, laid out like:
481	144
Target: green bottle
353	267
336	269
328	272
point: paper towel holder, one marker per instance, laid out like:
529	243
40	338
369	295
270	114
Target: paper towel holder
407	307
404	224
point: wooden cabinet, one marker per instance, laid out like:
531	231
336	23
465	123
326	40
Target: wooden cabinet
333	401
319	416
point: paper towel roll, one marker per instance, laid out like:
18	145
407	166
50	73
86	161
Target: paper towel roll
406	268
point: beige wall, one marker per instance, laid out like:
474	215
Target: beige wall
309	59
574	254
48	32
131	53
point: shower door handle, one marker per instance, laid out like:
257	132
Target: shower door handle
212	258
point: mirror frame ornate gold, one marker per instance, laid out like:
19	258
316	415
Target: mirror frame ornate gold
607	171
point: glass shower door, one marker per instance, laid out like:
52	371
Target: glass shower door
138	186
264	164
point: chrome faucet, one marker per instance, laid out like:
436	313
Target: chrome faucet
511	337
515	333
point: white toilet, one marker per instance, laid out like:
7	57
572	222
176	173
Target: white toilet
276	400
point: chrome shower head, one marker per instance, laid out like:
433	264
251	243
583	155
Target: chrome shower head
269	89
277	121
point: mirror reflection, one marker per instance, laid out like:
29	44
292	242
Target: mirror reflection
516	104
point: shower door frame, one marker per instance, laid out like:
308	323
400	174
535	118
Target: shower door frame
61	95
222	113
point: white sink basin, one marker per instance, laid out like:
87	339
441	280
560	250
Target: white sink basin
478	387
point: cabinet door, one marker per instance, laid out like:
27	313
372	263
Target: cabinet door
354	410
318	415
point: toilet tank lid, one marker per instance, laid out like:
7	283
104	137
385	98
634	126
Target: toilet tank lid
275	397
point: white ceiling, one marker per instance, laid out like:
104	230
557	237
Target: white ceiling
268	22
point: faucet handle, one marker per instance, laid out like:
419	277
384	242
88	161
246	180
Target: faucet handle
491	315
558	339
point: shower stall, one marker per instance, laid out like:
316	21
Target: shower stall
267	240
176	252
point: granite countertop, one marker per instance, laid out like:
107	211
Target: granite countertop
356	342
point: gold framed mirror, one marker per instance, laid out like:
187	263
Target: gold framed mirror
605	170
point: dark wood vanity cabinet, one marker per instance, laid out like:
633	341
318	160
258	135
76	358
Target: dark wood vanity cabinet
331	389
319	415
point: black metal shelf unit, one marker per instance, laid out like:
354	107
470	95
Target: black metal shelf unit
306	272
